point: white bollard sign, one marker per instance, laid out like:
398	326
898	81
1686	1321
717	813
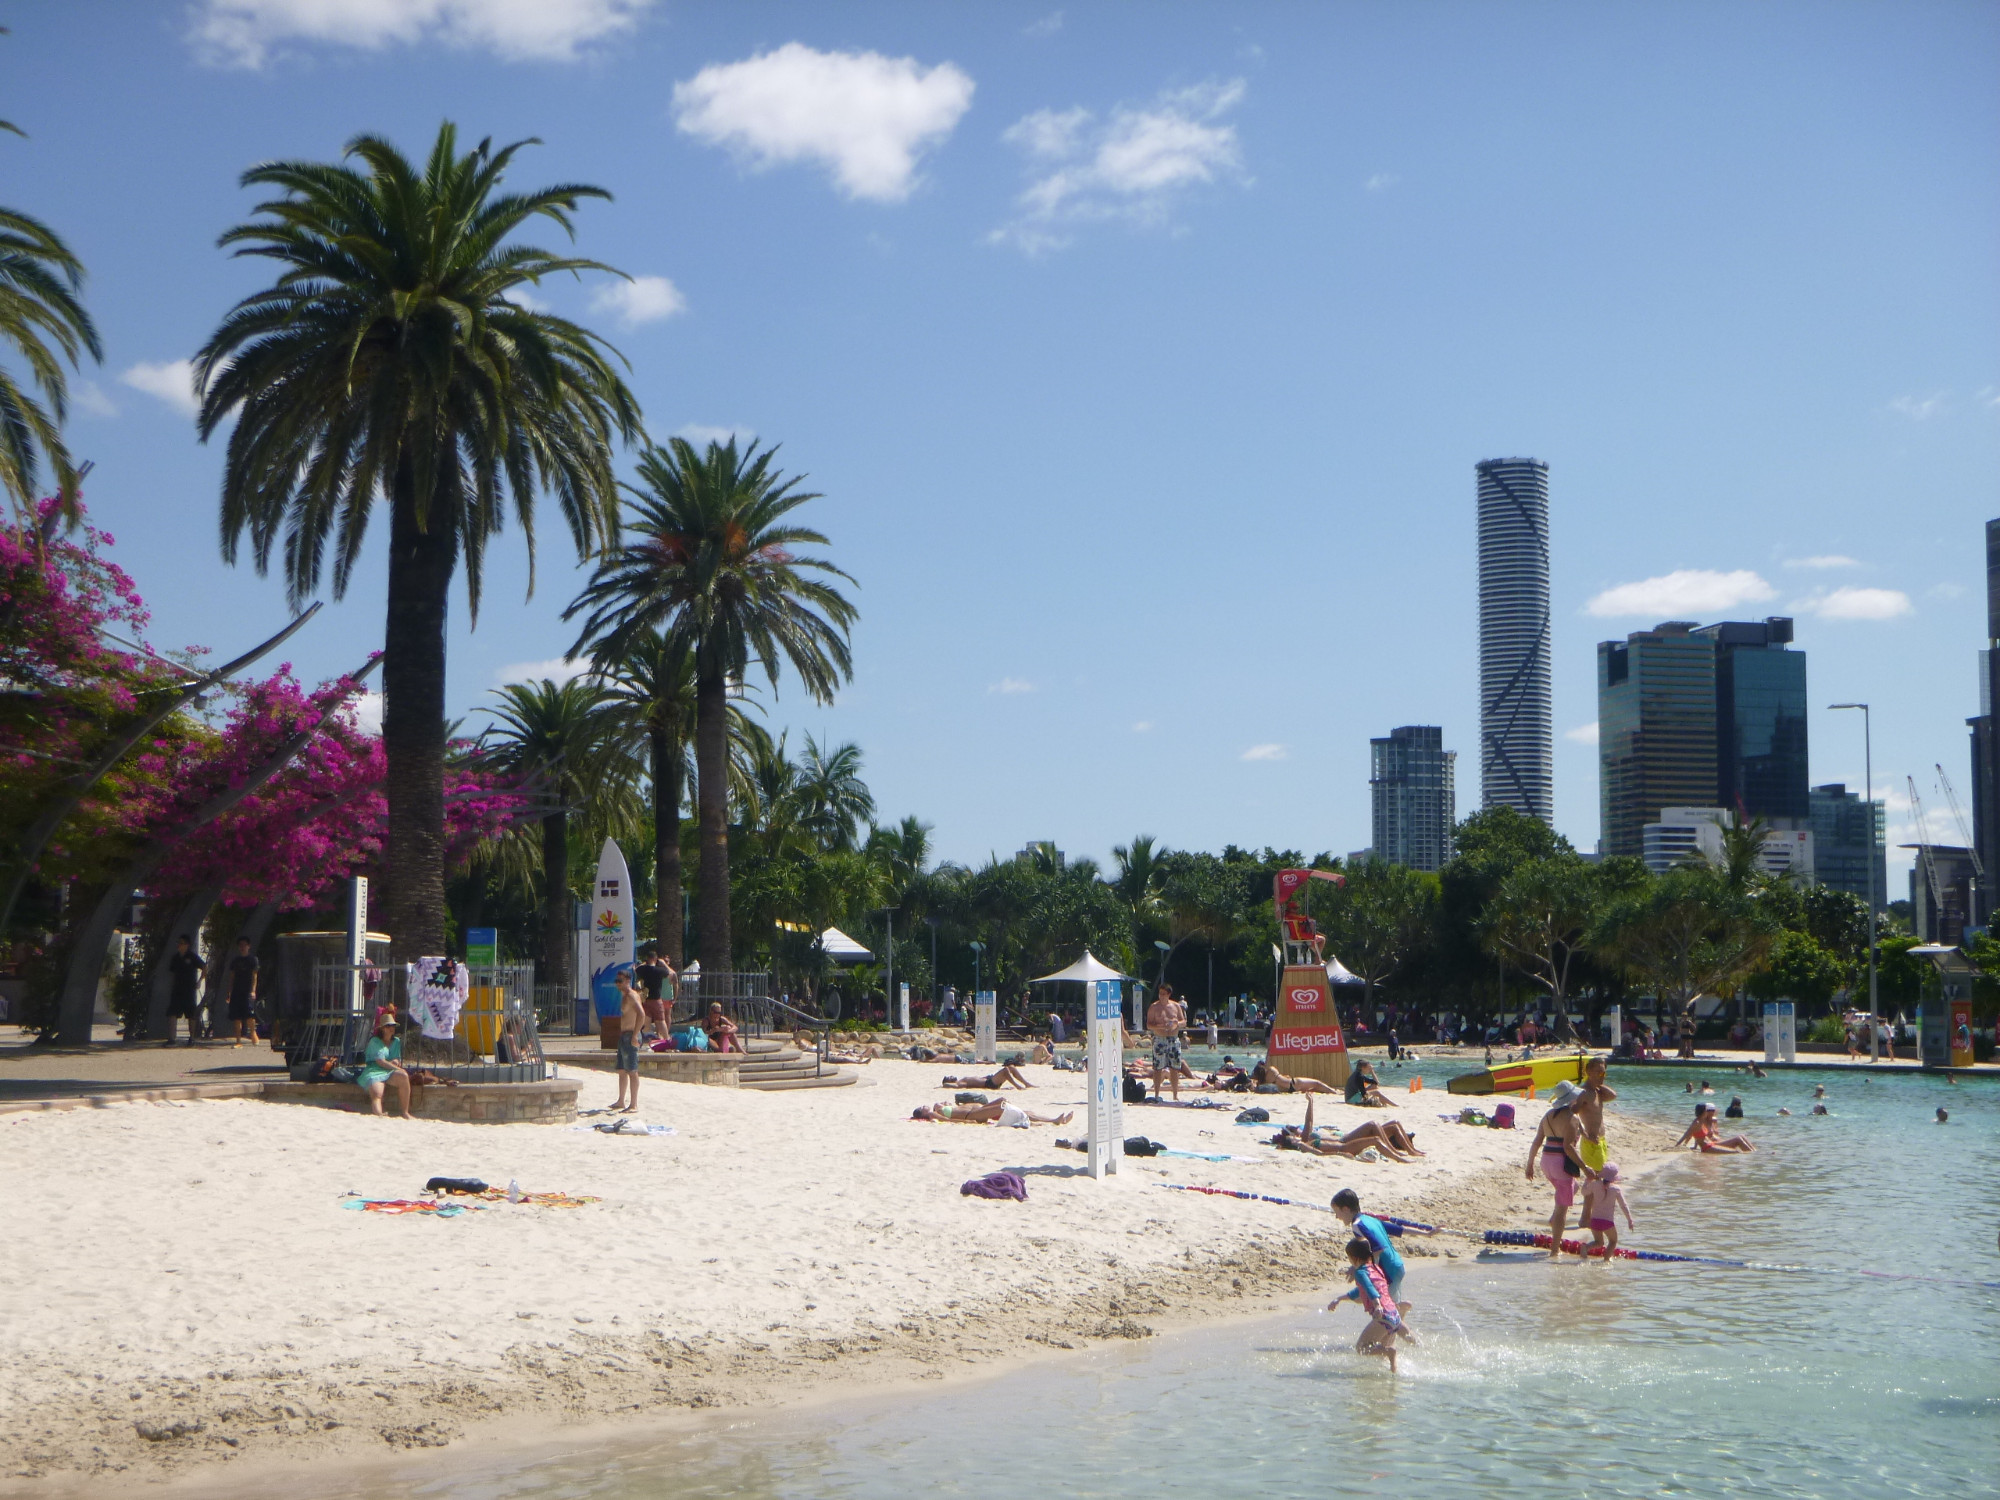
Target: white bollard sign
1616	1016
357	944
985	1028
1107	1069
1780	1031
902	1007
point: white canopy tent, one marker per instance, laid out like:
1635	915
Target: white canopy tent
1085	969
1338	973
842	949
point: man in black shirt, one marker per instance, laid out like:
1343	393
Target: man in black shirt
242	994
185	966
655	974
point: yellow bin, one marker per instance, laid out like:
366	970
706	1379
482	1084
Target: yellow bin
479	1022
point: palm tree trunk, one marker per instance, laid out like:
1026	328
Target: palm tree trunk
666	737
413	728
557	921
711	753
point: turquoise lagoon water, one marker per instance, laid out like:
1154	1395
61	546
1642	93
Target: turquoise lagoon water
1630	1380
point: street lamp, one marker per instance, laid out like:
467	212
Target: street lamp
1868	801
977	949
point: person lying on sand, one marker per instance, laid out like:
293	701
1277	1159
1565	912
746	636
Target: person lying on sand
1384	1136
1264	1073
1008	1076
997	1113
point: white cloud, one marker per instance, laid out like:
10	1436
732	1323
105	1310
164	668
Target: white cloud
246	33
1944	590
1856	604
170	380
1144	726
89	396
368	713
1583	734
520	296
1128	167
1048	26
1381	182
1264	752
643	299
701	434
1011	685
1919	408
866	117
560	668
1682	594
1830	560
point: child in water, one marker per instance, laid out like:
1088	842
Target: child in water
1385	1322
1602	1198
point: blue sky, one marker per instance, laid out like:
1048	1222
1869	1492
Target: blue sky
1143	352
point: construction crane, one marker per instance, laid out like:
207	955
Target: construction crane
1965	833
1924	854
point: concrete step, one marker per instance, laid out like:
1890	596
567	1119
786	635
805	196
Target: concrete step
832	1079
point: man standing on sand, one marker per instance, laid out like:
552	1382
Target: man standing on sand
656	976
1555	1147
243	994
1164	1020
631	1019
1593	1148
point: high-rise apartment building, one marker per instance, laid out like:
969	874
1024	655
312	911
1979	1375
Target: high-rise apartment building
1760	721
1516	743
1845	837
1655	730
1410	776
1986	739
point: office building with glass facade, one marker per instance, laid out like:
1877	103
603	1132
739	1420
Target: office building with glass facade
1760	722
1844	841
1412	797
1655	730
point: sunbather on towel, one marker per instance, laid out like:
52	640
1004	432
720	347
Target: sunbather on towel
1387	1137
998	1113
1264	1073
1008	1076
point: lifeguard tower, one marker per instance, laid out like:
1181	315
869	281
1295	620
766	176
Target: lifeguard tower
1306	1039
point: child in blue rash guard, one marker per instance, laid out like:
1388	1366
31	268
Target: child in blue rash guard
1371	1289
1347	1208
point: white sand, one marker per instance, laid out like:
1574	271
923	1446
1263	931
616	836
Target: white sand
183	1262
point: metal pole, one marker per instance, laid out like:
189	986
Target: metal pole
1868	804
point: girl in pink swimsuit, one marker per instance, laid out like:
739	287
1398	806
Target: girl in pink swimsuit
1602	1200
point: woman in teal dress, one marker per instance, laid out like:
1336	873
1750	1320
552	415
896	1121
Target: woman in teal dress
382	1068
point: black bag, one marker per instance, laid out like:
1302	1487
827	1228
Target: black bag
1135	1090
970	1099
1255	1115
469	1185
1138	1145
343	1073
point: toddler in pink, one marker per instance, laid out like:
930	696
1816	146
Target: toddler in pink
1602	1199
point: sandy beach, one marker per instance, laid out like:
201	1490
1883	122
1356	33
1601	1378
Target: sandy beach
187	1289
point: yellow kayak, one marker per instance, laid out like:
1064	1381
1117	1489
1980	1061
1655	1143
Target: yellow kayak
1521	1077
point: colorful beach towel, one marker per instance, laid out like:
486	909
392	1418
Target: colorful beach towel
408	1206
996	1185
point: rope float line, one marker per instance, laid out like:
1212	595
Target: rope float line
1529	1240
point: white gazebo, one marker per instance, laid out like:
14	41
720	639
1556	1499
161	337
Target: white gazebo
1083	970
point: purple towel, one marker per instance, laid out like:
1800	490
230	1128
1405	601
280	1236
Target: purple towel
996	1185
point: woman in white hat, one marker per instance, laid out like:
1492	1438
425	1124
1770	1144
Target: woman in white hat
1555	1147
382	1067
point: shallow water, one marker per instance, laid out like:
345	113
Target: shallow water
1627	1380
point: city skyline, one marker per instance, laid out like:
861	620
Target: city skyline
1736	302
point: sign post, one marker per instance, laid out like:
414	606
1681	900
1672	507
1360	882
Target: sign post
482	948
1780	1031
985	1030
1107	1057
1616	1016
902	1007
610	939
357	943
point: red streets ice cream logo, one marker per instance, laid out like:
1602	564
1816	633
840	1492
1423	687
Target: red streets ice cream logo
1304	997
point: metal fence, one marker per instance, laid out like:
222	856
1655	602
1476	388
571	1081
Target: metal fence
497	1038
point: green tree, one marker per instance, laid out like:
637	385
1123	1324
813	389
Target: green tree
1377	919
833	799
714	563
44	323
1686	934
1540	919
1141	873
391	358
1799	968
650	687
566	744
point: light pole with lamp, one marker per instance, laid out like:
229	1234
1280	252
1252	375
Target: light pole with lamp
1159	984
977	949
937	990
1868	802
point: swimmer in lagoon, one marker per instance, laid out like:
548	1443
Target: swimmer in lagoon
1943	1114
1708	1139
1735	1110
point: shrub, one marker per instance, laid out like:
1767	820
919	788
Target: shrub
1827	1029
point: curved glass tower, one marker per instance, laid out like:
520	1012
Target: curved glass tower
1516	747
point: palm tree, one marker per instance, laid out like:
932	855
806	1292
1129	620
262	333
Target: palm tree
565	745
716	564
833	798
650	685
1139	880
388	358
45	324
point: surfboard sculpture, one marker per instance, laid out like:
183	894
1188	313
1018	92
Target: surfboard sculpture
610	937
1521	1078
1306	1040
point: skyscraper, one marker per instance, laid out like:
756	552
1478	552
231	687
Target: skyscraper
1986	740
1844	841
1655	730
1414	803
1516	745
1760	721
